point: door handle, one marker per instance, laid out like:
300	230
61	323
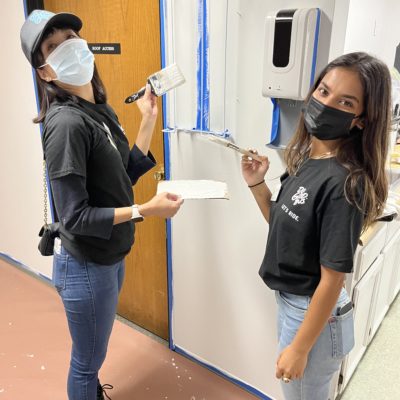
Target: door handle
160	174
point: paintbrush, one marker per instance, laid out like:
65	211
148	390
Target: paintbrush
160	82
229	144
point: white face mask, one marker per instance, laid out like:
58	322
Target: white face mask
73	62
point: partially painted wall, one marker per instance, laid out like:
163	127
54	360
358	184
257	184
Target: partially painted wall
223	314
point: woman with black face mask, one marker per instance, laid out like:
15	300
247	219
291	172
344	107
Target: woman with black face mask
334	187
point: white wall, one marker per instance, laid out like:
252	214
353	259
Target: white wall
21	200
223	314
373	26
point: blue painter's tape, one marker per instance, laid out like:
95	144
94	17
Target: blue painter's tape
162	42
25	9
199	69
224	134
19	264
167	167
203	84
170	280
315	51
206	79
167	164
275	120
217	371
200	66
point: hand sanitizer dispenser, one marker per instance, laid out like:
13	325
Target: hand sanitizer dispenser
291	42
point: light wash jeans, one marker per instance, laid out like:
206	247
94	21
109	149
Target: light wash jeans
335	341
89	292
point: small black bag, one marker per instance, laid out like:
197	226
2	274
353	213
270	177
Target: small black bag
48	233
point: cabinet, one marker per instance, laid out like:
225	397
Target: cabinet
371	245
388	283
393	257
372	286
364	294
371	251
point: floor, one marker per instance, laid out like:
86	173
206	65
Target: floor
376	377
35	346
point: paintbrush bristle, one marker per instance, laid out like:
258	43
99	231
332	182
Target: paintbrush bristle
166	79
218	140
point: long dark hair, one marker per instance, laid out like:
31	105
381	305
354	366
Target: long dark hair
364	152
49	92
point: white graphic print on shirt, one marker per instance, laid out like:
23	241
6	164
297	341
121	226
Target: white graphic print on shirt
109	136
301	196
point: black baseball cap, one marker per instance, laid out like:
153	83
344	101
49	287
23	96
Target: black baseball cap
36	24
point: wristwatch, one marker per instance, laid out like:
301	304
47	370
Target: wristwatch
136	216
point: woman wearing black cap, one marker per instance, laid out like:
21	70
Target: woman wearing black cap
92	171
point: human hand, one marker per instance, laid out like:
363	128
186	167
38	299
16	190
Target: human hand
254	171
291	363
164	205
148	104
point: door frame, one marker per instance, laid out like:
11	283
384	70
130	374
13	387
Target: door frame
167	167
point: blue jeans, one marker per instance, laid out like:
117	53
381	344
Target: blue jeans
325	358
89	292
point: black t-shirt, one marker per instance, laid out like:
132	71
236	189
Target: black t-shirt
311	224
92	171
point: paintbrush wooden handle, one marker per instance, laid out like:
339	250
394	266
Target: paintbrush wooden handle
250	154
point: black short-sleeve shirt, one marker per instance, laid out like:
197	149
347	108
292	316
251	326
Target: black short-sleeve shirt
77	146
311	224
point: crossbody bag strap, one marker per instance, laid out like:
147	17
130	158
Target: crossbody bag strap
44	193
85	115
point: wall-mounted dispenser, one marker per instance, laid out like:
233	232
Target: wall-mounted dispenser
291	42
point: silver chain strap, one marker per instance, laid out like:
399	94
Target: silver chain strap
44	193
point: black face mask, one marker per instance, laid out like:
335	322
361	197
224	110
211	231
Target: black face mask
326	123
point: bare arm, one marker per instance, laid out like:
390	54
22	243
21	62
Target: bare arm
164	205
253	172
145	134
148	108
321	306
262	195
122	214
293	360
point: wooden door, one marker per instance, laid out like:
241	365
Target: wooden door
135	24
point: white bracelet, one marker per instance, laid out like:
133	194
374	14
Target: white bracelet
136	216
